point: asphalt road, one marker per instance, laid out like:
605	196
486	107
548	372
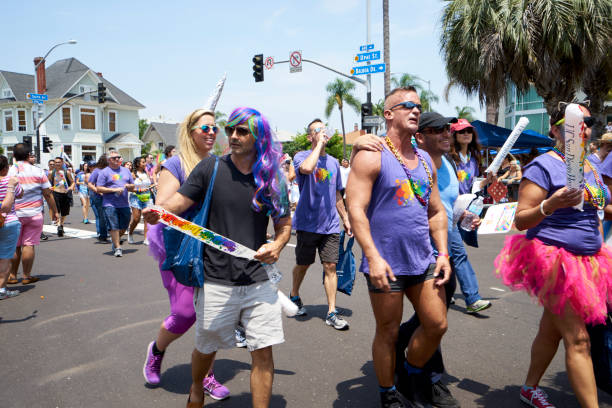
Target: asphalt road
78	338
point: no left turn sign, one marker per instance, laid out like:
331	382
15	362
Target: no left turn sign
295	62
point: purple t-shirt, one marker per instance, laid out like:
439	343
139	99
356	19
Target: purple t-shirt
93	179
398	221
316	209
606	166
576	231
466	172
593	158
173	165
113	178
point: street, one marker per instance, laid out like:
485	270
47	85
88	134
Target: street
78	337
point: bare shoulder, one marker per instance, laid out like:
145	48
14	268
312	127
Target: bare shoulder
366	162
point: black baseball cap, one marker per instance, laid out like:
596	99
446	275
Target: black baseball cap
434	120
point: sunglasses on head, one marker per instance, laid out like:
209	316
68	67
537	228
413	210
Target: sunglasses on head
408	105
206	128
242	131
589	121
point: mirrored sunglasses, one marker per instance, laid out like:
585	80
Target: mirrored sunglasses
206	128
408	105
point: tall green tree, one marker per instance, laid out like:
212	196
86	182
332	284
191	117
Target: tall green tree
143	124
556	45
465	112
300	142
426	96
338	93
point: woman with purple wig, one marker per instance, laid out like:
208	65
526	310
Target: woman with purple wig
197	136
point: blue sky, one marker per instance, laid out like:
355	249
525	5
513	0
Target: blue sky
170	55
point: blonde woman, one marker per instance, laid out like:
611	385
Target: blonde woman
197	136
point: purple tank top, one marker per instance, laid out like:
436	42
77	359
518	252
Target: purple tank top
398	221
576	231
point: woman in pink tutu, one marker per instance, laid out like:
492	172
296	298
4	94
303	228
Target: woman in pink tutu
197	136
563	262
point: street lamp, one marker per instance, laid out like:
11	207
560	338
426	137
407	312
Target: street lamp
36	91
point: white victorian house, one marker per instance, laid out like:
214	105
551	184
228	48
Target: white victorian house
83	128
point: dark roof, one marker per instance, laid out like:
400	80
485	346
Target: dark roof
167	131
19	83
60	77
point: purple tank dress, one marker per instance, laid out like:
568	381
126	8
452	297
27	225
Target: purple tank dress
182	313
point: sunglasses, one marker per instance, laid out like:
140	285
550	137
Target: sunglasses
408	105
114	158
206	128
242	131
589	121
436	130
464	131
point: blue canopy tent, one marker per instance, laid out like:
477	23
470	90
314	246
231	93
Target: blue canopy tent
495	136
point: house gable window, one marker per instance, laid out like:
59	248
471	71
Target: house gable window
112	121
7	93
66	118
21	120
88	118
8	120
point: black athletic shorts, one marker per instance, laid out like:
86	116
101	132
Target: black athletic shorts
62	202
308	243
404	281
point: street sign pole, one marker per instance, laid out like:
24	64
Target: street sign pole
369	77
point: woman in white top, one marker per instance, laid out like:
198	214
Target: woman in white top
140	198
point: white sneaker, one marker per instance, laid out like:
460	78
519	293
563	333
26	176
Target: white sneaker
146	241
478	306
118	252
130	239
4	294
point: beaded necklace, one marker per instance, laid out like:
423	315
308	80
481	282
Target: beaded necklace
423	199
595	195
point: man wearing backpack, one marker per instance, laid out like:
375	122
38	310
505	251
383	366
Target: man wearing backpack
62	184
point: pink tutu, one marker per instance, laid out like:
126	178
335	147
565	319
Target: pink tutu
556	276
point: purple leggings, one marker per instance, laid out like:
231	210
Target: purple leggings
182	314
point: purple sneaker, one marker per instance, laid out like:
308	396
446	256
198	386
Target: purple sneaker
214	388
152	366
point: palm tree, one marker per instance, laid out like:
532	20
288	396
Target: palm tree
339	92
427	97
387	57
552	45
221	118
378	108
465	112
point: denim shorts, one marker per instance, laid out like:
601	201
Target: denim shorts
137	203
9	234
118	218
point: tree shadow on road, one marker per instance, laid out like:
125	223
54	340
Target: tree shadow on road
177	379
359	392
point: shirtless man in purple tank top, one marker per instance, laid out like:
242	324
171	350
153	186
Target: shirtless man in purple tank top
394	206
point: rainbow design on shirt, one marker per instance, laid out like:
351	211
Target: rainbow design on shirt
463	175
322	175
117	177
406	189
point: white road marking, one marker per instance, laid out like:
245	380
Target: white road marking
78	233
498	289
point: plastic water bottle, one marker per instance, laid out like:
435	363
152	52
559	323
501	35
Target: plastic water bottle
474	210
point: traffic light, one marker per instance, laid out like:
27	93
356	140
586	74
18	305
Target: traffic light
101	93
366	109
258	68
27	140
47	144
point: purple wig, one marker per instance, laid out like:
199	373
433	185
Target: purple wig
271	193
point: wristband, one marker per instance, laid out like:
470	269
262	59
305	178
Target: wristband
442	254
542	209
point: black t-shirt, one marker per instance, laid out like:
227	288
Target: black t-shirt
230	215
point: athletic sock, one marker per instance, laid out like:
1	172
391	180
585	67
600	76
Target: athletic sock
156	351
385	389
435	377
412	369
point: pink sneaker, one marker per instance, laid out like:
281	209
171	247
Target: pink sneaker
535	397
214	388
152	366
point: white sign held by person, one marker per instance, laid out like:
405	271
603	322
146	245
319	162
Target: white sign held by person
503	152
575	144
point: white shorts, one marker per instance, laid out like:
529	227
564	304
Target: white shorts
219	308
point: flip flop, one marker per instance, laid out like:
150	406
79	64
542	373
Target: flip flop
12	281
31	279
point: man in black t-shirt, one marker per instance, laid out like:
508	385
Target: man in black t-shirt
237	290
